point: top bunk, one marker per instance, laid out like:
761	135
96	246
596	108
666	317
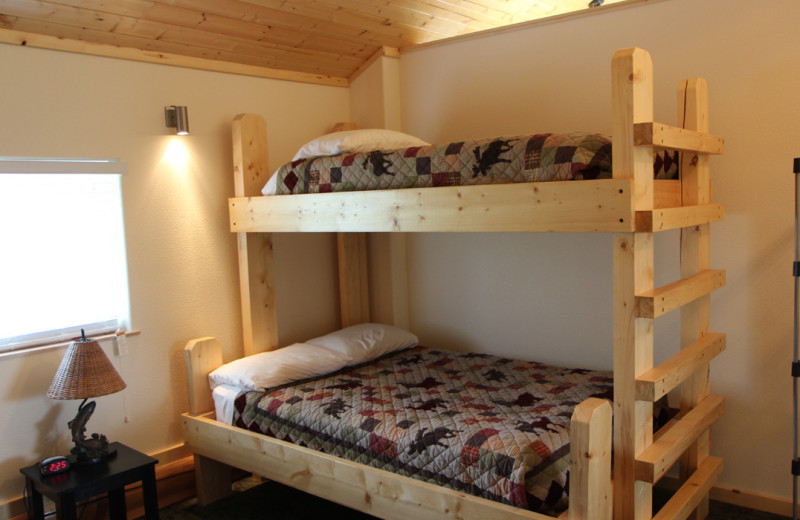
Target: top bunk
631	200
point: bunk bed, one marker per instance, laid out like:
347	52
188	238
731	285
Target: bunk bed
630	205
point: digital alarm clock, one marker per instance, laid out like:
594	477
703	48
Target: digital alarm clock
54	465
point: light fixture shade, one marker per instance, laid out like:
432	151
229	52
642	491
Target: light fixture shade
177	117
85	372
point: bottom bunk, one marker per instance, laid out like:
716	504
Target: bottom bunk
450	427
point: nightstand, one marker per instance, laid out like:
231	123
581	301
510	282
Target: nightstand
85	481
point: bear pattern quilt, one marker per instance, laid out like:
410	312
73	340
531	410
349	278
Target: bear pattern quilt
485	425
536	158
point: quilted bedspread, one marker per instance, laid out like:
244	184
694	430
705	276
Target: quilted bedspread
536	158
484	425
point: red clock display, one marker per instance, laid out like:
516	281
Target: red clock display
54	465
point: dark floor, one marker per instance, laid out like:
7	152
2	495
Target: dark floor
277	502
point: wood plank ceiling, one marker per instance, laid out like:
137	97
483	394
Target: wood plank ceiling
319	38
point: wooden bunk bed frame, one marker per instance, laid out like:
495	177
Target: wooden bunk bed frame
631	205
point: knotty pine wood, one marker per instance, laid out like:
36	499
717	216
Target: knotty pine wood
668	137
632	102
653	462
319	41
663	219
695	257
656	383
585	206
590	483
201	356
353	278
667	298
256	273
692	495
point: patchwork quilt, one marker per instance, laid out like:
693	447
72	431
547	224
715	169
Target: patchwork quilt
479	424
535	158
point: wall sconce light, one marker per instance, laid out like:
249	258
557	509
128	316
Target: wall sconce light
177	117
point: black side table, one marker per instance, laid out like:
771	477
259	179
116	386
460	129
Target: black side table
85	481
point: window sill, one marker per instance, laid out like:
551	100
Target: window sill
52	346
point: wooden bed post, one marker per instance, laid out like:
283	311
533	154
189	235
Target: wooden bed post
353	278
695	257
632	102
256	279
590	473
213	479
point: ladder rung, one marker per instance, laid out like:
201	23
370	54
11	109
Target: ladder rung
656	382
655	460
692	492
662	300
675	138
674	218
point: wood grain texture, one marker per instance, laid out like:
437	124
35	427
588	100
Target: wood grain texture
675	295
353	278
201	356
663	219
585	206
302	40
693	492
632	103
256	273
590	473
695	258
654	462
660	380
674	138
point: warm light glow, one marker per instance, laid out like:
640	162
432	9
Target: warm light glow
176	156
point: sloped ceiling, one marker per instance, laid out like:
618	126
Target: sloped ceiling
326	41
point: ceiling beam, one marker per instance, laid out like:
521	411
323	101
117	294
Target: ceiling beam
111	51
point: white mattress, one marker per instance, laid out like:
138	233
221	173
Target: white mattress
224	397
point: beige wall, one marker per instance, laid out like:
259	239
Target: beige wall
375	93
548	297
181	256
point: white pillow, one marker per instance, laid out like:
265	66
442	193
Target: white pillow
355	141
277	367
366	341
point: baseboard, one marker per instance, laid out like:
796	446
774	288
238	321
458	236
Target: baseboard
174	481
741	498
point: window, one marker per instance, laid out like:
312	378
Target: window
62	261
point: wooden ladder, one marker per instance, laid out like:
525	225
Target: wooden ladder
641	457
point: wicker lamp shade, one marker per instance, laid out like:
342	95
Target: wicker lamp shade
85	372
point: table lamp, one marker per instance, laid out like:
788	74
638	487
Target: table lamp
85	372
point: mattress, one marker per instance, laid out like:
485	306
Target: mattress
485	425
532	158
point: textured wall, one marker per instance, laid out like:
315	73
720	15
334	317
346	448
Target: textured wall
182	262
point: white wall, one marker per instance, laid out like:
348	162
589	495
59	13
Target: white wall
374	95
548	297
181	256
